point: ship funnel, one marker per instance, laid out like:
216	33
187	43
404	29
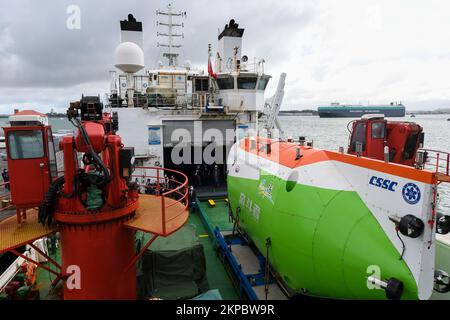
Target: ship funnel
131	31
230	45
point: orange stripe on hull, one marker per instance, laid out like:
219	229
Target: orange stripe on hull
285	153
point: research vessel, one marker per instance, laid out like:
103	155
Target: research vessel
287	219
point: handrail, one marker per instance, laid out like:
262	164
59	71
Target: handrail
3	184
160	99
5	196
438	160
176	189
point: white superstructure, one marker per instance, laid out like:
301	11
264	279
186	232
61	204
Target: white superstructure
172	105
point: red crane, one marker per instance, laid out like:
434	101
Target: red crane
95	206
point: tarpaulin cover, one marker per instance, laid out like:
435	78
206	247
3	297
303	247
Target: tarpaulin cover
209	295
173	267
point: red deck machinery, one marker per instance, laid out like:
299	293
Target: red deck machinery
95	207
30	156
374	137
401	142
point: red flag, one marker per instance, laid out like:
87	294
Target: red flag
210	69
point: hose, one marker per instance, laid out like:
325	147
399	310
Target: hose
94	157
46	209
348	125
403	245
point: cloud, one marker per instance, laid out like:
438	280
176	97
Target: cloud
349	50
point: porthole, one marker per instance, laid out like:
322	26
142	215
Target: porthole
291	181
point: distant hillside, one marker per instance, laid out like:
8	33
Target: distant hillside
315	113
437	111
50	115
56	115
298	112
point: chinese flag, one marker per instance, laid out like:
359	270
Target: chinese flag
210	69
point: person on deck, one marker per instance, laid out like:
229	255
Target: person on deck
5	176
192	198
148	187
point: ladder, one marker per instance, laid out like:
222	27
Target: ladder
273	105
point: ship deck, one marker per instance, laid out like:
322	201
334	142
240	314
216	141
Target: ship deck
15	235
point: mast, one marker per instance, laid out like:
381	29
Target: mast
171	53
210	83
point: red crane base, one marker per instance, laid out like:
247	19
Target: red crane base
95	256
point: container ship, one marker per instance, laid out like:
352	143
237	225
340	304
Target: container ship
337	110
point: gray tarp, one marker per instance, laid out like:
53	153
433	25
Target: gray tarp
174	268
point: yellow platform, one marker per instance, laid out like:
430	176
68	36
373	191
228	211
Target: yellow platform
13	235
149	215
212	203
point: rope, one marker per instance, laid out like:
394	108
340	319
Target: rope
236	221
403	245
267	268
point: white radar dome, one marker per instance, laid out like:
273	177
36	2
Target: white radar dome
129	57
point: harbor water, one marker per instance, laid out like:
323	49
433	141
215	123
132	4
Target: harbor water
332	133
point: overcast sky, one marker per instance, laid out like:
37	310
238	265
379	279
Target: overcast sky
352	51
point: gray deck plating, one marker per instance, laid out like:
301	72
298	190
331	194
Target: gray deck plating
246	258
250	265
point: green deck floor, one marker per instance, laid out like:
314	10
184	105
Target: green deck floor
218	277
218	216
44	280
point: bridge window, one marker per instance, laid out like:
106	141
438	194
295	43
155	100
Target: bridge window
225	83
410	146
26	144
201	85
262	84
359	135
247	83
52	154
291	182
378	130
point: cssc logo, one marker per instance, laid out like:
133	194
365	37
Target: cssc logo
411	193
383	183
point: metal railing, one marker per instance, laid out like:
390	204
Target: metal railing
156	181
5	195
162	184
437	161
194	101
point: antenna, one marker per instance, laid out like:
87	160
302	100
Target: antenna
171	55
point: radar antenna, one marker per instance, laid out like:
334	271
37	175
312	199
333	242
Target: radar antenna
171	55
